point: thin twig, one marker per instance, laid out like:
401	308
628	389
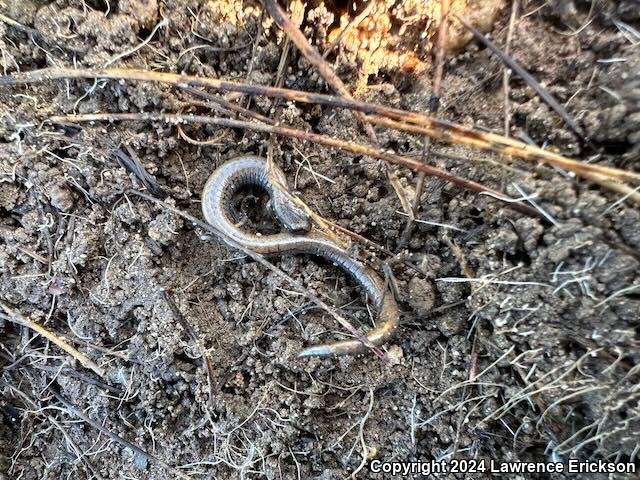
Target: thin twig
62	370
527	77
211	105
203	143
351	147
98	426
225	104
505	146
506	75
434	104
32	32
358	237
404	120
191	333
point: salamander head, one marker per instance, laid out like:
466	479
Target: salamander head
292	216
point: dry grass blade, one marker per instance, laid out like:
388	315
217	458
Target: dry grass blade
411	122
17	317
489	142
627	192
350	147
130	162
133	164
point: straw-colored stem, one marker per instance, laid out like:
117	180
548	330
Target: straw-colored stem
20	319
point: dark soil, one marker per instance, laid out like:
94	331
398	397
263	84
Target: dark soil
519	338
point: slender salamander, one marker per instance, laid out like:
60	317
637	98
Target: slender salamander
217	197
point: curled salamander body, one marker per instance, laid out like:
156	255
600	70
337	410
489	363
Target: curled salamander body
244	171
